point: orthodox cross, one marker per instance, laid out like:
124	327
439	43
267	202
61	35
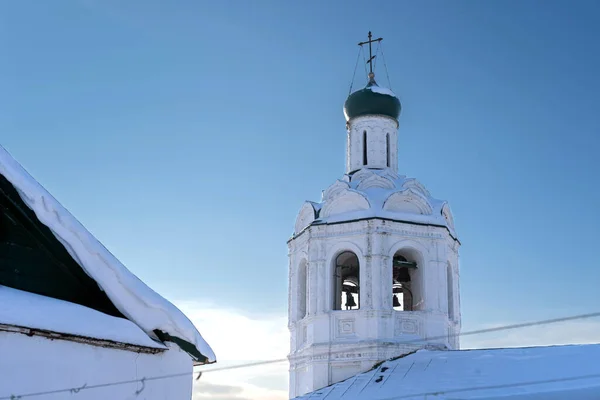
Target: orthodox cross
371	56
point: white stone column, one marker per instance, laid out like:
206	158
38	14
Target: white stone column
366	273
436	286
321	268
381	289
312	288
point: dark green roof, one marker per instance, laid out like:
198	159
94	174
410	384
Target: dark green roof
372	100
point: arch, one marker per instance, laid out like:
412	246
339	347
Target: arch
415	185
346	281
375	181
406	277
302	293
346	200
334	189
333	252
407	201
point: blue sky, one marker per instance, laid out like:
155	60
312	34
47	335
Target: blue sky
186	135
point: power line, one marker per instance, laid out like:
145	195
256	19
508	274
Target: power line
278	360
97	386
355	68
247	365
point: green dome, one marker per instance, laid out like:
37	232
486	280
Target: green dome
372	100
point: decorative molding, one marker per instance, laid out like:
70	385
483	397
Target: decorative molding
405	324
334	190
345	327
375	181
345	201
412	183
306	216
403	232
408	201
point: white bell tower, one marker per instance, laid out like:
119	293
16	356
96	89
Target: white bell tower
373	267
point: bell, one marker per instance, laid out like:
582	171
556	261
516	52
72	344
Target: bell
396	302
350	301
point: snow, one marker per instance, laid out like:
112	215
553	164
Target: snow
376	196
382	90
555	372
24	309
129	294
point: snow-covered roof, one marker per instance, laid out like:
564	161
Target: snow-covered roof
136	301
381	90
555	372
376	193
23	309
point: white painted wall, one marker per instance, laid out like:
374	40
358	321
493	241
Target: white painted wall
328	346
376	128
37	364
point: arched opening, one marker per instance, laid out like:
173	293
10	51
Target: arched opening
450	282
347	282
387	148
364	147
302	290
403	275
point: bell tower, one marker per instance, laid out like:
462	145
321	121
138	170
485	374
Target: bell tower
373	266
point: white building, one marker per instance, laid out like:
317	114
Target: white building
374	264
374	276
74	322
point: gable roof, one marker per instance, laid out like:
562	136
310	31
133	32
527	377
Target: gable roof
553	372
112	288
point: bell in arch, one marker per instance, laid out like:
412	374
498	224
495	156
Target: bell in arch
396	302
350	301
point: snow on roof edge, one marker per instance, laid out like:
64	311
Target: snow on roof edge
133	298
474	373
34	311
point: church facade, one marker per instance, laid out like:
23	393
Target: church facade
374	266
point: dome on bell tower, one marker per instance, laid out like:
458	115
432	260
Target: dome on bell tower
372	100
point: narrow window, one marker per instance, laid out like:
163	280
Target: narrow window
365	148
387	146
450	293
402	297
347	282
302	290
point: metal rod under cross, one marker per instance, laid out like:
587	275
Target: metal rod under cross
371	56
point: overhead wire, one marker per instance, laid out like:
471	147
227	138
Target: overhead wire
355	68
279	360
374	61
385	67
365	62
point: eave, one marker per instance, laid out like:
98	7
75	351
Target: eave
109	344
320	223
